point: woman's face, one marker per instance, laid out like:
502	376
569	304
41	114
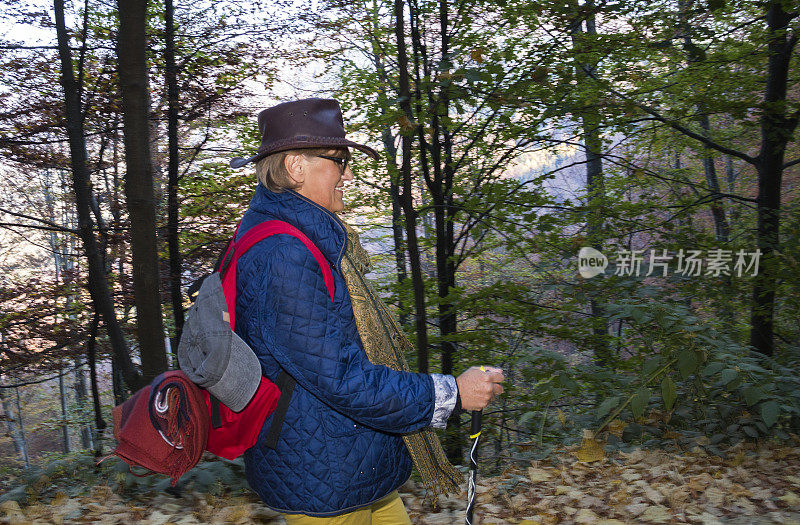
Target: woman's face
323	181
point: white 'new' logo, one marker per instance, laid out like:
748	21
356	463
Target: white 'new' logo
591	262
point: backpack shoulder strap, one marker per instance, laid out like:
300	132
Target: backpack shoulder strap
254	235
266	229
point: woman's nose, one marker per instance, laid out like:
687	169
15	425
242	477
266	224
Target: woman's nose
348	174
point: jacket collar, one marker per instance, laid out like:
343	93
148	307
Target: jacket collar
322	226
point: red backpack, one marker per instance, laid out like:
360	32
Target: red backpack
231	433
166	425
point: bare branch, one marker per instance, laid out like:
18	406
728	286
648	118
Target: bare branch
50	225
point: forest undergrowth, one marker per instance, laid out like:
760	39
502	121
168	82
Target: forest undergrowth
582	484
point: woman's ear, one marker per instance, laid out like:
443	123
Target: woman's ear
295	167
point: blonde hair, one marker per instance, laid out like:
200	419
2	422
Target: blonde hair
271	170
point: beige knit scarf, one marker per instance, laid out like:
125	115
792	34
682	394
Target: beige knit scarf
386	344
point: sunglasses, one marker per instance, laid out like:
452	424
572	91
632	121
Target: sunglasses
340	161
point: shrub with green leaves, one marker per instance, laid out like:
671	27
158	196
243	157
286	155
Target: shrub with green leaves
679	379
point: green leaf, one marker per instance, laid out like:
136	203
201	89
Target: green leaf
606	406
769	412
750	431
668	392
639	402
716	439
687	362
639	315
567	382
527	418
713	368
733	385
728	375
650	366
753	394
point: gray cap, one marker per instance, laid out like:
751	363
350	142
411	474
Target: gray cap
212	355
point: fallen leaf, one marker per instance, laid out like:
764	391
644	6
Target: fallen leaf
636	509
12	511
700	482
794	480
586	516
737	460
616	427
652	494
591	450
519	501
677	497
746	506
620	498
538	475
708	519
562	489
791	499
715	496
656	514
630	475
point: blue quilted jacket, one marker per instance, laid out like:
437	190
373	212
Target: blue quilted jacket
340	446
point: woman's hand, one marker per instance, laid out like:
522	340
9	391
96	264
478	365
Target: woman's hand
478	386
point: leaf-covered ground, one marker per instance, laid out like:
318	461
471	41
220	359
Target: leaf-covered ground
752	484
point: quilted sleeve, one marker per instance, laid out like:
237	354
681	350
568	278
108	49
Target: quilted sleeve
304	333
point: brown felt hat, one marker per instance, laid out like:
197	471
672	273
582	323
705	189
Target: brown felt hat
307	123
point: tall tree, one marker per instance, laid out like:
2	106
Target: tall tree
97	283
777	129
13	424
591	124
693	55
406	197
133	79
171	77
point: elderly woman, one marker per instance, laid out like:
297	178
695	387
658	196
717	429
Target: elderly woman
357	416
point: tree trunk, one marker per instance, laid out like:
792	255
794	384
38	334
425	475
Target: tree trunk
21	431
80	397
62	391
730	179
722	230
776	130
595	181
91	357
721	226
443	206
13	427
97	283
394	176
444	218
421	67
407	196
172	171
131	49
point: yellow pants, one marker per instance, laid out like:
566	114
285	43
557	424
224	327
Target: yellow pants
385	511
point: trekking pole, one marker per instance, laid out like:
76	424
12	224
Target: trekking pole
475	433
